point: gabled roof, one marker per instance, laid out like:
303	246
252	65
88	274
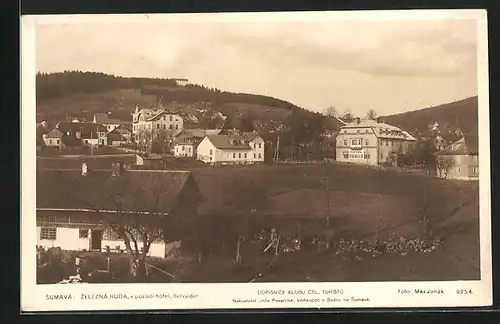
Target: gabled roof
55	133
381	130
132	191
467	145
227	142
84	128
121	131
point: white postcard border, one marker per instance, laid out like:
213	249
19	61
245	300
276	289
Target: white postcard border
243	295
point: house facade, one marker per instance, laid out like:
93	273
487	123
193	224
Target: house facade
371	142
119	136
75	208
459	160
148	124
76	133
244	148
54	138
187	141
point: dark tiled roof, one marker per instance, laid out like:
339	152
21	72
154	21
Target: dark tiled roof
55	133
84	128
228	142
133	191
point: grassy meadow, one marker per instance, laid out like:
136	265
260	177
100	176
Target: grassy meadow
364	204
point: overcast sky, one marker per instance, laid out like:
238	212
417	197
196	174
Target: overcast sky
389	66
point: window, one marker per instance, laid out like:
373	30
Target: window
50	141
358	131
260	145
346	155
184	148
260	156
355	142
367	131
367	155
171	126
239	155
170	117
345	142
254	155
86	141
475	170
245	155
110	235
458	170
48	233
157	126
211	152
164	126
234	155
367	142
189	149
381	156
83	233
176	126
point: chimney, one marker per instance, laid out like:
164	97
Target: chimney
358	120
84	169
118	169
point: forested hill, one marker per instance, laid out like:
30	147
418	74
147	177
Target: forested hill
53	86
462	114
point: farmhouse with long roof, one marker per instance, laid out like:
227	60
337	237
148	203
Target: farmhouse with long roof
76	209
243	148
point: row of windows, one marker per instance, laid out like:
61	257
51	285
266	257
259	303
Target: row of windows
56	141
358	131
183	148
357	142
158	126
245	155
50	233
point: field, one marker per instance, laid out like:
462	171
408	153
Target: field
364	205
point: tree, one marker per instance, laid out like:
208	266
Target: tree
444	163
138	216
371	114
246	123
228	124
330	112
144	139
348	117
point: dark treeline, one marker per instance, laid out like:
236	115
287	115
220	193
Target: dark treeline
57	85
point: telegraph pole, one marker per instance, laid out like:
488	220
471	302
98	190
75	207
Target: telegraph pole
276	152
326	181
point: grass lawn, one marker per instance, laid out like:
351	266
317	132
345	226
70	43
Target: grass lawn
362	201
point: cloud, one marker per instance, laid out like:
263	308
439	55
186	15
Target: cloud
386	65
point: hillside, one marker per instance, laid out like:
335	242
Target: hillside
78	93
81	94
460	114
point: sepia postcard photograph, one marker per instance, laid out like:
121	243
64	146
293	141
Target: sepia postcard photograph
255	160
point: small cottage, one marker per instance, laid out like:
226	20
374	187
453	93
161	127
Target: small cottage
459	160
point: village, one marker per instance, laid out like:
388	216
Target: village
156	190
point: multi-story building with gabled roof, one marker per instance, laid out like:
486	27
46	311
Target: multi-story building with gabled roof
371	142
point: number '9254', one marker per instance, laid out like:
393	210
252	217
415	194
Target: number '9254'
464	291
